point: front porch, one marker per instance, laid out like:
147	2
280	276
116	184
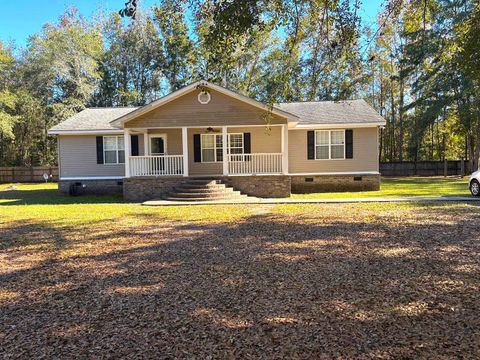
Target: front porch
192	151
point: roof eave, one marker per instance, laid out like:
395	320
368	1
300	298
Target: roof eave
84	132
340	125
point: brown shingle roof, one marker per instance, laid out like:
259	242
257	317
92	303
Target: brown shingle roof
310	113
93	119
333	112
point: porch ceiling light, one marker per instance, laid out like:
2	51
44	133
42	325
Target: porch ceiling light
204	97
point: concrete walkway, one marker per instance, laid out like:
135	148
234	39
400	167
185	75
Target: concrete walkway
253	200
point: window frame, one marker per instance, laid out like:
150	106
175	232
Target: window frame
117	150
330	144
215	147
229	152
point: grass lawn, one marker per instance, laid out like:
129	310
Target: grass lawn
93	277
404	187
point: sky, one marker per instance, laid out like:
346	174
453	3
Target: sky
21	18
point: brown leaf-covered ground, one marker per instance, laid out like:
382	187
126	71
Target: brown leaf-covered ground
295	281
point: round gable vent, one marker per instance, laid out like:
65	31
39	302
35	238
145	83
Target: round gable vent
204	97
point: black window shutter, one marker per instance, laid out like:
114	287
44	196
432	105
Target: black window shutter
311	145
99	149
349	144
134	140
247	143
197	149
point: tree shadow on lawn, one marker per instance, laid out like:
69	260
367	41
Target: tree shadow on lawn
270	286
52	197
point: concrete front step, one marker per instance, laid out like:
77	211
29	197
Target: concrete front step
203	181
204	189
238	197
204	186
222	189
216	195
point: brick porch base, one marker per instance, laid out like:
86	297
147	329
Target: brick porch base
140	189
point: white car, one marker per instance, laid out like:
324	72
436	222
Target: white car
475	183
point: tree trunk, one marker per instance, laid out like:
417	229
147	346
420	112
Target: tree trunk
380	150
393	151
433	141
400	120
476	149
471	152
382	112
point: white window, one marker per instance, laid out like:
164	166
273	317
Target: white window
337	144
113	150
212	146
329	144
235	143
322	145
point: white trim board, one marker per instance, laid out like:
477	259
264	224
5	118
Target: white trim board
337	126
85	132
93	178
298	127
200	127
220	175
336	173
153	136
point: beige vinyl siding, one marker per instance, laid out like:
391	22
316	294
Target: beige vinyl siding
199	168
187	111
262	141
365	153
78	158
174	140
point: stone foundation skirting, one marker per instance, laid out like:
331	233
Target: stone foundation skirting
334	183
148	188
274	186
92	187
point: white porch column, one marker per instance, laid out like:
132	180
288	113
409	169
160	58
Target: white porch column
146	149
285	149
225	152
185	150
128	151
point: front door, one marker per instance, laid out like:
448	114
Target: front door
157	145
158	148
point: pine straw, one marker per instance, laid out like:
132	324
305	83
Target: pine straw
320	281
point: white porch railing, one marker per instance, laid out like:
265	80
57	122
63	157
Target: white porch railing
255	164
162	165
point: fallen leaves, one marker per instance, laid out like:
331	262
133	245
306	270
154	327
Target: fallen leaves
317	281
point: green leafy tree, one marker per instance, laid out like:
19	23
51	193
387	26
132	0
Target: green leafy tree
59	72
8	101
131	66
179	53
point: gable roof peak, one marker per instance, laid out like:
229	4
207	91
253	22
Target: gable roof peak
118	123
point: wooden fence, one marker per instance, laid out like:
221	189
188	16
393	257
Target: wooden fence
404	168
425	168
27	174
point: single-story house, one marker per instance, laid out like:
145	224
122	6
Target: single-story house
205	134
